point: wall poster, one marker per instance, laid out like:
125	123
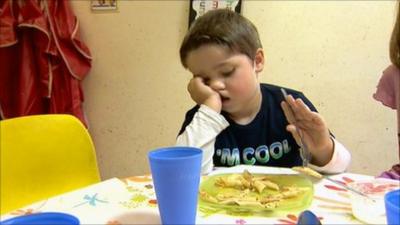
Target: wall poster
103	5
199	7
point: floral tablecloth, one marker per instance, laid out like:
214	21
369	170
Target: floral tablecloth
99	203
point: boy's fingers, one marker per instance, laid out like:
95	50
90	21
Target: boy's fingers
292	129
300	109
288	112
294	107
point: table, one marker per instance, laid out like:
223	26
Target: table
99	203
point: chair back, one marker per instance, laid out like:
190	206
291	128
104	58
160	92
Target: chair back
43	156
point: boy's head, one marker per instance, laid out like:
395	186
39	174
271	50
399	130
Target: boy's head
222	27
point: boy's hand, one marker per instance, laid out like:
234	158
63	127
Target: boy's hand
203	94
312	127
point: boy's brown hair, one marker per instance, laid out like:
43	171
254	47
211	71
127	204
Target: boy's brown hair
222	27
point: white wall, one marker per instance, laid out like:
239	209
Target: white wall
334	51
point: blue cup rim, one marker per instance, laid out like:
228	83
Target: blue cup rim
195	152
42	218
390	194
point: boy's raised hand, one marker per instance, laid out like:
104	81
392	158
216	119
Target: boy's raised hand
312	127
201	93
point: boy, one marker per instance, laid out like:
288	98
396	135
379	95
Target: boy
237	120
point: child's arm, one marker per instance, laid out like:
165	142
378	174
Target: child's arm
339	161
206	123
201	133
328	155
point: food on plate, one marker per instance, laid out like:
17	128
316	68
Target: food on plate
267	183
307	171
233	181
205	196
246	189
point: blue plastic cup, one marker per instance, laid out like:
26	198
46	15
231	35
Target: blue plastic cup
46	218
308	218
176	177
392	206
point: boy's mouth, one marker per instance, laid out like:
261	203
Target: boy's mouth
224	99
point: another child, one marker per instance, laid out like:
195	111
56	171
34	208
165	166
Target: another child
388	90
237	120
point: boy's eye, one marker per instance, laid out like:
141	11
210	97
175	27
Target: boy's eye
228	73
206	81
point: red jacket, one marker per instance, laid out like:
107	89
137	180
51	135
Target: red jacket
42	59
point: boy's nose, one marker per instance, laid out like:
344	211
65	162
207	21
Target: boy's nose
217	85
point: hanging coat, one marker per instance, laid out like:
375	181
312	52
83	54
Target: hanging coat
42	59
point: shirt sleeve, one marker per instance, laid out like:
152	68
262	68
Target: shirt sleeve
339	162
387	90
201	133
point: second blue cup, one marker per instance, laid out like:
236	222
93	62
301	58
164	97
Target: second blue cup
392	206
176	177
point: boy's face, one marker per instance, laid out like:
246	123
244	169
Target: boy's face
233	76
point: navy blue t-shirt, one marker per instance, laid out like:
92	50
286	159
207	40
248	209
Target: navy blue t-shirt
264	141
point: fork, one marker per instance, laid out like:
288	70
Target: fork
312	173
304	152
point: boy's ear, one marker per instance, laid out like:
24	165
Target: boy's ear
259	60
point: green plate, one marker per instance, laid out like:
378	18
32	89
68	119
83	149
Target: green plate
289	205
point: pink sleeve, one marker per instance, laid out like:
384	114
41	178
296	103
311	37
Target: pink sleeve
387	90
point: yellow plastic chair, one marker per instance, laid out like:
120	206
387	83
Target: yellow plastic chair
43	156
